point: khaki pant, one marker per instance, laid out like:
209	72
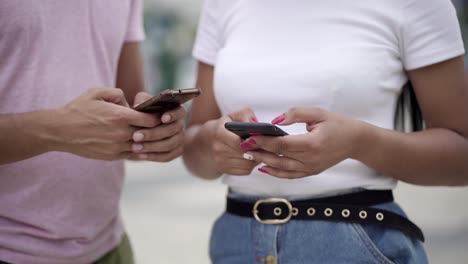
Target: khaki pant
120	255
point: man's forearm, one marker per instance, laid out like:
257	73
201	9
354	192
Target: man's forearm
432	157
26	135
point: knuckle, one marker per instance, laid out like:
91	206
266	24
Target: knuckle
118	91
283	163
294	110
281	146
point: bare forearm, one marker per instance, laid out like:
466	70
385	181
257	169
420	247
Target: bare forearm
26	135
197	155
433	157
130	77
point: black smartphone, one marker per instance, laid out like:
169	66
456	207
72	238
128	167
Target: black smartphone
245	130
167	100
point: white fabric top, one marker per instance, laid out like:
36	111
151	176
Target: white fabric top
348	57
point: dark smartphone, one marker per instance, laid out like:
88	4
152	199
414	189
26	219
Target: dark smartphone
245	130
167	100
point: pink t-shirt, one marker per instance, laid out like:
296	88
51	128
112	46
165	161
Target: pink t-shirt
59	208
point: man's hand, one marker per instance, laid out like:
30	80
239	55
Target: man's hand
164	142
99	125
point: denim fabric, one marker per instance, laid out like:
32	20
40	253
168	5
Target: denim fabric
242	240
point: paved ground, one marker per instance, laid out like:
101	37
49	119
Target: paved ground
169	214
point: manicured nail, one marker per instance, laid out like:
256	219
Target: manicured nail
166	118
137	147
255	134
279	119
251	141
262	170
245	145
138	136
248	156
143	156
254	120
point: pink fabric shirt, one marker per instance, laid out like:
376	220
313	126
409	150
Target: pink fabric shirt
57	207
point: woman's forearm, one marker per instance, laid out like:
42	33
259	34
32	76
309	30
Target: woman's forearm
197	154
435	156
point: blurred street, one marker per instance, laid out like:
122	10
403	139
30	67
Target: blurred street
169	213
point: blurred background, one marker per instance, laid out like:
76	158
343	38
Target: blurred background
169	213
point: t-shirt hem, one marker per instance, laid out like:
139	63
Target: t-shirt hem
435	57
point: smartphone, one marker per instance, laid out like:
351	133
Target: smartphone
167	100
245	130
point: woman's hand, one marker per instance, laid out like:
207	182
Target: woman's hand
331	138
225	148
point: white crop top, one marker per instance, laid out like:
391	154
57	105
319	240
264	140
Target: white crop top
349	57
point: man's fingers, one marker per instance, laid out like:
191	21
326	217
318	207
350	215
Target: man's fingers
300	115
161	157
111	95
173	115
159	146
158	133
140	119
245	115
141	97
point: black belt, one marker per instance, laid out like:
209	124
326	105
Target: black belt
353	207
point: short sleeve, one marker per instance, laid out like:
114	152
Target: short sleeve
208	41
135	31
430	33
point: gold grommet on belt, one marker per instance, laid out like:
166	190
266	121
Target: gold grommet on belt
345	213
328	212
379	216
311	211
363	214
295	211
277	211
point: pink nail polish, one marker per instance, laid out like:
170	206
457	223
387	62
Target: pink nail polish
251	141
255	134
279	119
254	120
245	145
263	170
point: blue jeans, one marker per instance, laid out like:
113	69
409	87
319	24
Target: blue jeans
242	240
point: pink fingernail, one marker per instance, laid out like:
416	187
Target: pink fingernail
254	120
262	170
279	119
166	118
255	134
138	136
137	147
251	141
246	145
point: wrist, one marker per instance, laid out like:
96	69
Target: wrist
39	128
366	136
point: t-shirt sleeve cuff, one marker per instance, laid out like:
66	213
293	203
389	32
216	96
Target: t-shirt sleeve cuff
421	61
204	57
135	36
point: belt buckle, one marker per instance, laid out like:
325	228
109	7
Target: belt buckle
272	221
